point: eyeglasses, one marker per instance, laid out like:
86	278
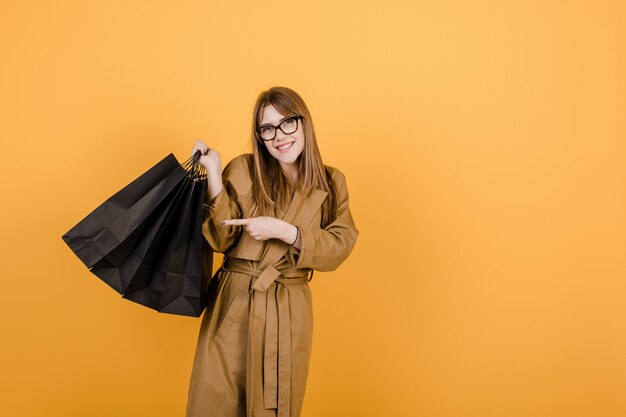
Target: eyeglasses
287	126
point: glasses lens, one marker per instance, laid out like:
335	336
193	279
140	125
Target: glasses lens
267	132
289	126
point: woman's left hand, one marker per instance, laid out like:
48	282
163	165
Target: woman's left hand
262	227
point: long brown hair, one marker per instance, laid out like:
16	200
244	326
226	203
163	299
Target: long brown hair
270	186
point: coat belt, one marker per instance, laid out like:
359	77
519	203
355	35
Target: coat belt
269	308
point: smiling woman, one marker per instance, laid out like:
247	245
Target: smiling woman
277	214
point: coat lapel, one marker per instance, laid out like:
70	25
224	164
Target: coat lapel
301	211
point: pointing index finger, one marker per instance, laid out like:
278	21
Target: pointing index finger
234	222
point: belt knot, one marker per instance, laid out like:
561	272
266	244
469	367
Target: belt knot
265	277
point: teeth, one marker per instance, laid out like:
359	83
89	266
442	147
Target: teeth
285	146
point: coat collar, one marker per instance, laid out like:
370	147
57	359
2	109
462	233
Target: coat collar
302	209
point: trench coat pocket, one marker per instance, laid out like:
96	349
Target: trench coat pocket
233	314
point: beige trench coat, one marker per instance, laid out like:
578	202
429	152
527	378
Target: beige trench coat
254	345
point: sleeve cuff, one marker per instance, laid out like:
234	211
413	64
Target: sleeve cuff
293	249
308	248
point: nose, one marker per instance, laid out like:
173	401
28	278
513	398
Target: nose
279	135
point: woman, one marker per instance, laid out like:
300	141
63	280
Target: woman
277	214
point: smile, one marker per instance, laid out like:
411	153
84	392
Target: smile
284	148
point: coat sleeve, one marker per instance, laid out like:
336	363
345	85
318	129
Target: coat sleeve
224	206
326	249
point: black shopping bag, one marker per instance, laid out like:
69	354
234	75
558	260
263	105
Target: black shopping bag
171	277
128	267
184	284
113	221
119	267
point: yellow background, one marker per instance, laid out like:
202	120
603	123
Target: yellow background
484	144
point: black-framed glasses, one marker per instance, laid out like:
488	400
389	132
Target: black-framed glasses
287	126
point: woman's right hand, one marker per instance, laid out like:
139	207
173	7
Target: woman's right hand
209	158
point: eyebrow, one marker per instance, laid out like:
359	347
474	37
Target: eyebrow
279	122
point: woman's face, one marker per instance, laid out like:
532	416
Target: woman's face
294	141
